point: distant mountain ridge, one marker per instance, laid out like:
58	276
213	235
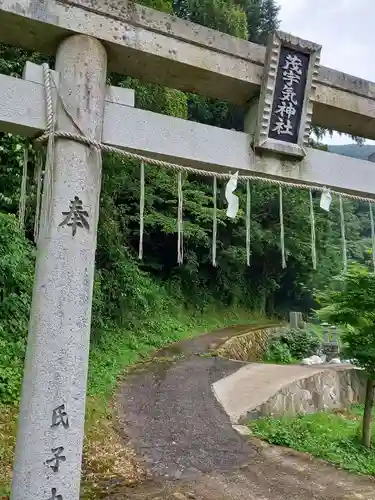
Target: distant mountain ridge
353	150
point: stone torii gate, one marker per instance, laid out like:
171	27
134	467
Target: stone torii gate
284	89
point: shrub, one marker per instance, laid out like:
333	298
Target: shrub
349	300
301	343
12	353
294	344
16	278
278	352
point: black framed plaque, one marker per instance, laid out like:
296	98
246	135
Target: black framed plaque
285	105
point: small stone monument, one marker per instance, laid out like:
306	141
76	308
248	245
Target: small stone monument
296	320
330	344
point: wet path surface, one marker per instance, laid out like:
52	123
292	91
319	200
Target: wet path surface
175	421
209	341
169	414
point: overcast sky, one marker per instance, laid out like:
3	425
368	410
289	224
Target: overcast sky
345	29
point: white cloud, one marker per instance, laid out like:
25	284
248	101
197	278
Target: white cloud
344	28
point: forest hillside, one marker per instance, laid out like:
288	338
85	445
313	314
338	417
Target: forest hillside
139	305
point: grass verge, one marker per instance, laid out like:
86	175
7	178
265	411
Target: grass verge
332	436
108	462
118	349
8	418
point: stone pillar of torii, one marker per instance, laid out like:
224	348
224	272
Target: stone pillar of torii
285	91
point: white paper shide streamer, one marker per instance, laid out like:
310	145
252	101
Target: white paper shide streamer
248	221
22	203
343	238
214	223
141	210
372	233
282	236
313	233
232	199
39	181
180	234
325	199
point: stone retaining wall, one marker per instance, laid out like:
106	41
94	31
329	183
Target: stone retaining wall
250	346
329	389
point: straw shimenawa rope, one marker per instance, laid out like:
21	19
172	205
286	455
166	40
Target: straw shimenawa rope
43	207
82	138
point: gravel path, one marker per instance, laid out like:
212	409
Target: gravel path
175	422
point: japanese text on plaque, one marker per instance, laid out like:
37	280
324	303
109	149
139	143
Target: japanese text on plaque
289	95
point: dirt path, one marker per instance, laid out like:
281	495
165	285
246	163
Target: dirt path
169	414
275	474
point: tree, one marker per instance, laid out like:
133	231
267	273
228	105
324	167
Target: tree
350	301
222	15
262	18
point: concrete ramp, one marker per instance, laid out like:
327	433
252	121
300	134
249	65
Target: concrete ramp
264	389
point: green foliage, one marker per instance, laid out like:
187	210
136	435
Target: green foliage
16	265
293	345
12	353
265	285
140	306
11	164
12	62
331	436
16	261
350	301
132	296
247	19
251	19
302	343
222	15
162	5
278	352
262	18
